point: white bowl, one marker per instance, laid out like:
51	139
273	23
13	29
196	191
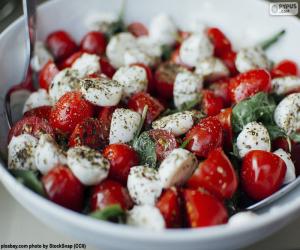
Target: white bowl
245	22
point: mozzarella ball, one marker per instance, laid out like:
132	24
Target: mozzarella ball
40	56
290	174
212	69
37	99
101	21
242	218
152	48
286	84
136	55
87	64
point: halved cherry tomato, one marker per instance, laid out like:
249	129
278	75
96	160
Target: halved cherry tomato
94	42
211	104
137	29
32	125
121	157
216	174
106	67
295	155
169	204
203	210
41	112
224	118
105	116
204	137
67	63
221	89
229	60
165	142
285	68
46	75
138	101
262	173
151	84
61	44
249	83
281	142
221	43
69	110
63	188
109	193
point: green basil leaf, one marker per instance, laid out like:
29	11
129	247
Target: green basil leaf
275	131
166	52
119	25
185	143
112	213
272	40
295	137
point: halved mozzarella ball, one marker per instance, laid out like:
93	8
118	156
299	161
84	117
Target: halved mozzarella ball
178	123
163	30
124	125
65	81
177	167
37	99
287	115
101	91
187	87
286	84
195	49
117	47
254	136
144	185
242	218
147	217
251	58
133	79
290	174
136	55
21	150
212	69
48	154
101	21
88	165
146	44
87	64
40	56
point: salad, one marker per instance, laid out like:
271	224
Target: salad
157	127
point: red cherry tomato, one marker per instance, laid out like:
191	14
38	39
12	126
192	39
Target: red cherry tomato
94	42
105	116
224	118
285	68
281	142
295	155
229	60
165	142
216	174
221	43
221	89
138	101
151	84
106	67
204	137
32	125
175	58
109	193
61	44
262	173
63	188
67	63
41	112
121	158
203	209
68	111
248	84
137	29
169	205
211	104
46	75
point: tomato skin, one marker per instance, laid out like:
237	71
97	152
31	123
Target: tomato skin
105	115
283	143
229	60
211	104
204	137
41	112
67	63
224	118
69	110
221	89
169	204
63	188
249	83
46	75
295	155
221	43
215	174
121	157
203	209
106	67
94	42
61	44
262	174
285	68
137	29
151	84
108	193
138	101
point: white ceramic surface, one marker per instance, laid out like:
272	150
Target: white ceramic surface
245	22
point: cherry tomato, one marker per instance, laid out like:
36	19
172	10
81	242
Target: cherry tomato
203	209
61	44
165	142
137	29
63	188
41	112
248	84
283	143
138	101
67	63
204	137
221	89
105	116
221	43
69	110
224	118
32	125
94	42
229	60
121	157
169	205
216	174
211	104
106	67
285	68
46	75
295	155
151	84
109	193
262	174
175	58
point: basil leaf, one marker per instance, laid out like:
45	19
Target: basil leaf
112	213
166	52
185	107
185	143
29	178
275	131
272	40
295	137
119	25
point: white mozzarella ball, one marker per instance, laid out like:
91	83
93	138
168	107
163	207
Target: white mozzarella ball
101	91
21	150
287	114
242	218
101	21
136	55
144	185
212	69
195	49
124	125
177	167
48	154
251	58
87	64
254	136
286	84
178	123
40	56
147	217
88	165
146	44
290	174
37	99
